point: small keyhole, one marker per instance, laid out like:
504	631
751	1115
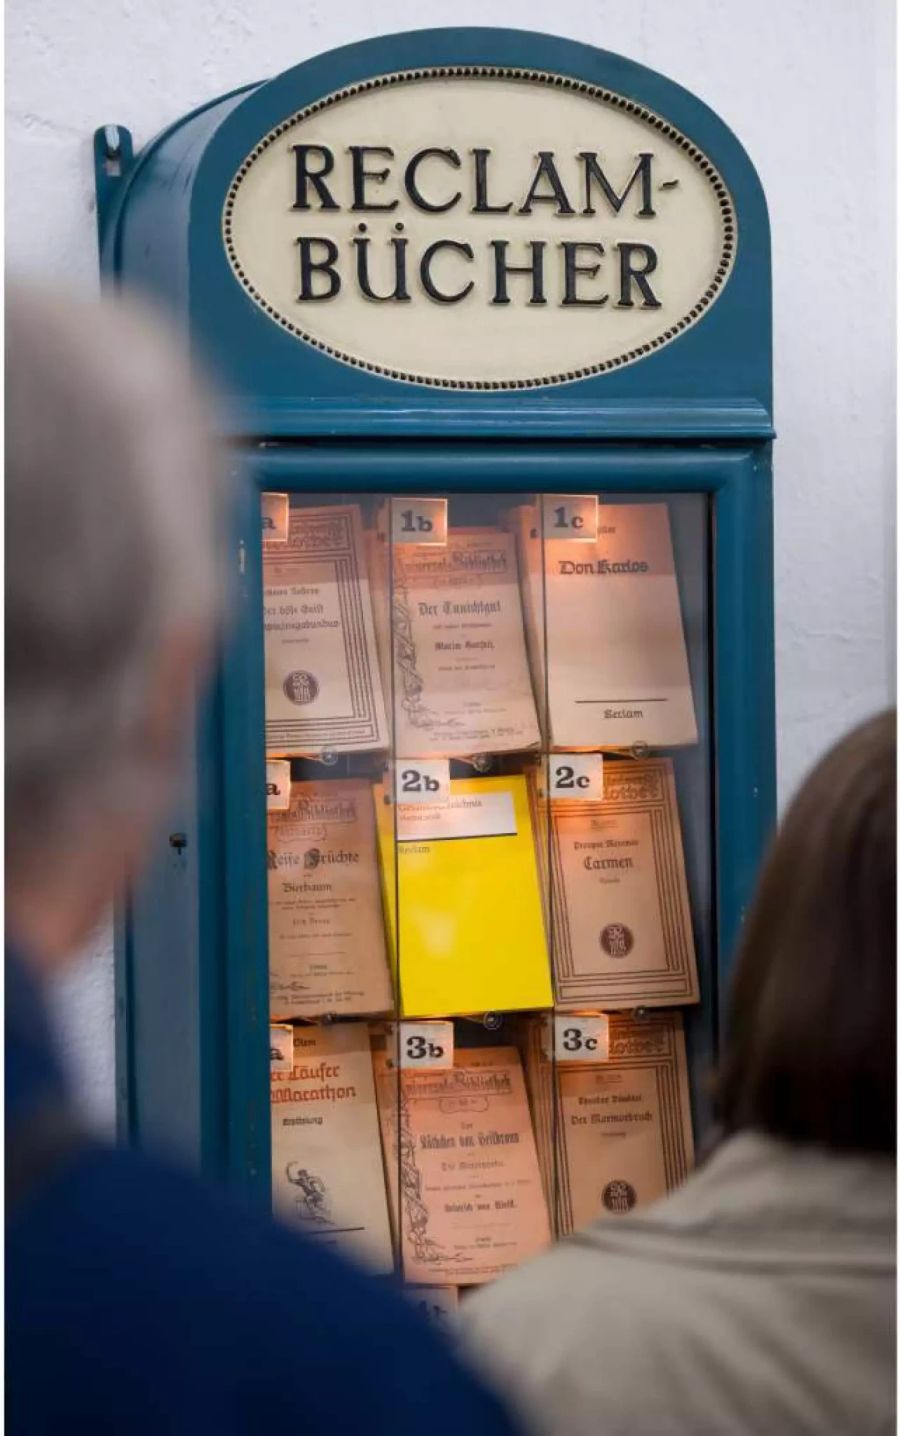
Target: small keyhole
178	841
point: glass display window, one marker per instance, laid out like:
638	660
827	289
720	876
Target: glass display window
489	861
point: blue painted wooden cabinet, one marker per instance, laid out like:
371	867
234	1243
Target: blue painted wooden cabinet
477	264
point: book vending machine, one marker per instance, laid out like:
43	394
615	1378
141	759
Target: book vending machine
433	950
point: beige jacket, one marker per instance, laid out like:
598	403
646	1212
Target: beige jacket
756	1301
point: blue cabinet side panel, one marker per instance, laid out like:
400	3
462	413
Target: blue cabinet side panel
160	1087
246	1016
745	692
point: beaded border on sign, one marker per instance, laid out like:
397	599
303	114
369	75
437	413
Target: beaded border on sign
496	72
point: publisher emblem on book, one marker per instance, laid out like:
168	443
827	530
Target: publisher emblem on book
300	687
616	939
618	1196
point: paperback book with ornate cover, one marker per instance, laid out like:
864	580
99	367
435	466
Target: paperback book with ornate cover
622	932
461	1157
621	1128
461	679
327	950
323	683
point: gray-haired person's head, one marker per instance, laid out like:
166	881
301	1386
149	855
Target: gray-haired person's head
113	583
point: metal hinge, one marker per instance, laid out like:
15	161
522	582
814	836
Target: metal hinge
113	160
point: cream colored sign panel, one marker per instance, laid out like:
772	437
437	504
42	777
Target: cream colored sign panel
480	228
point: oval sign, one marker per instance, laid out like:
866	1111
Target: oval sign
480	228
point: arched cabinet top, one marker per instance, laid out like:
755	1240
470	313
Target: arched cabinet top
446	231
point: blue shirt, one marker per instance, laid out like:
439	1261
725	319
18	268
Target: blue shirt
140	1300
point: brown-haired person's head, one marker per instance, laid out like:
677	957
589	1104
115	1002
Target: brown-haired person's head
811	1042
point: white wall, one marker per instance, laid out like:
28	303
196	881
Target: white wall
808	86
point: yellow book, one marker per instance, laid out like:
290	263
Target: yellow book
471	931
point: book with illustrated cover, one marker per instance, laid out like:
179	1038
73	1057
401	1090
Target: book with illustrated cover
622	932
605	630
461	680
471	930
618	1134
327	948
327	1169
466	1192
323	684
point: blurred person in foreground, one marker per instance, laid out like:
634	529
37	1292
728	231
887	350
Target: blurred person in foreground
759	1299
138	1300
